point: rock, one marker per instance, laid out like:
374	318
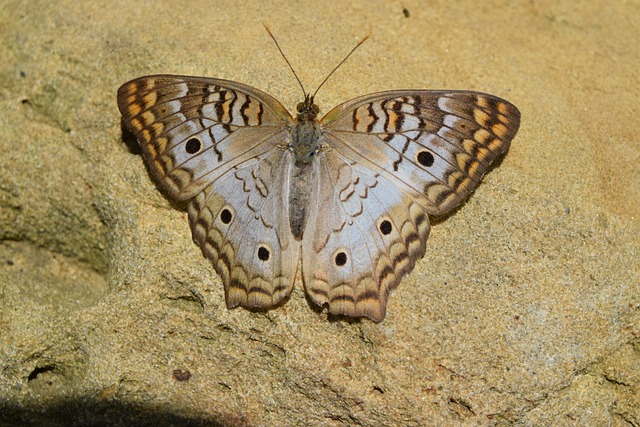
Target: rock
525	309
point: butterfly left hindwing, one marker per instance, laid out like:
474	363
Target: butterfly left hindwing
241	223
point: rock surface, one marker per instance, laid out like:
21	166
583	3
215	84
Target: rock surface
525	309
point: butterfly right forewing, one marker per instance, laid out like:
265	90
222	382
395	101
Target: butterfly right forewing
436	145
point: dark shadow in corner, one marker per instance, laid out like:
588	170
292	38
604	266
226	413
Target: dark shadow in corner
93	412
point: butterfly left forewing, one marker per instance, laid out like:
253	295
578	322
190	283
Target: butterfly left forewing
192	129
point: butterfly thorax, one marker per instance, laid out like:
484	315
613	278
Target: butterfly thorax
305	137
305	132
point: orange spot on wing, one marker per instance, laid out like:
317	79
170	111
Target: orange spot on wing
500	130
480	117
150	99
134	109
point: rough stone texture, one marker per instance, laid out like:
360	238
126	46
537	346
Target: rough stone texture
524	311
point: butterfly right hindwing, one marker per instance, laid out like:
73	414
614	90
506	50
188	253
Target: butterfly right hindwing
362	236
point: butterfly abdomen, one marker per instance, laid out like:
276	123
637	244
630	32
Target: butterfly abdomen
304	142
299	195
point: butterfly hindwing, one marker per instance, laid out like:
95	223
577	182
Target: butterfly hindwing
362	236
241	223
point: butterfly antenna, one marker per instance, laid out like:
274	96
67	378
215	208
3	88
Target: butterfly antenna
304	92
341	62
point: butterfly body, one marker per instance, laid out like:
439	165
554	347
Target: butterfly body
304	142
347	197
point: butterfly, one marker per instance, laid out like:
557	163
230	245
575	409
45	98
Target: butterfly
347	197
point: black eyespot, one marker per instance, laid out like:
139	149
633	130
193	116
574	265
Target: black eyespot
193	145
385	227
341	259
263	253
425	158
226	216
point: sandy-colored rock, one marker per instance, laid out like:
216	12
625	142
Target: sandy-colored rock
524	311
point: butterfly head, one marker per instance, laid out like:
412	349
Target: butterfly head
307	110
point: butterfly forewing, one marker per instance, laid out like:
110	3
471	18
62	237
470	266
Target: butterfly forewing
437	144
189	128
